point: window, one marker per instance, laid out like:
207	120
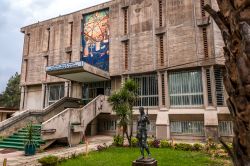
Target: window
151	127
209	89
48	42
160	13
225	128
56	92
107	125
148	90
93	89
28	43
218	73
71	33
161	50
126	49
185	89
187	127
163	88
125	12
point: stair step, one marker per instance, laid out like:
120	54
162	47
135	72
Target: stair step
21	140
24	133
18	139
15	143
24	136
12	146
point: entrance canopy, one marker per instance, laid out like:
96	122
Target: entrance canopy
78	71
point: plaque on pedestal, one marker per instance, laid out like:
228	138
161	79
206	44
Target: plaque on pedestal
145	162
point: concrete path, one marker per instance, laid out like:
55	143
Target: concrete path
17	158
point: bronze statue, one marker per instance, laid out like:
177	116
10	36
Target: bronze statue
142	132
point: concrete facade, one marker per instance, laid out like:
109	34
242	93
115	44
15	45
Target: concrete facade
157	37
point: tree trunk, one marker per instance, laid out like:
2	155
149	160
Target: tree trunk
233	19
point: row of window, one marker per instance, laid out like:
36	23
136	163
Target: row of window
185	89
225	128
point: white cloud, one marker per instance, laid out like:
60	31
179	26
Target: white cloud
18	13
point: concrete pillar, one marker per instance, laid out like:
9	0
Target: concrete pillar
211	124
22	99
204	87
167	98
213	86
67	89
76	90
162	125
43	97
159	89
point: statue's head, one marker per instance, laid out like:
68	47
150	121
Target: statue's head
141	110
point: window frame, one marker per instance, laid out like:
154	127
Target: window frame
189	87
60	96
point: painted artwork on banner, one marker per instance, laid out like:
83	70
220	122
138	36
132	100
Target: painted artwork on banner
95	39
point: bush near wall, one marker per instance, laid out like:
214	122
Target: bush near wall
48	160
118	140
212	148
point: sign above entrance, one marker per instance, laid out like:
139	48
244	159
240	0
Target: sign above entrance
72	65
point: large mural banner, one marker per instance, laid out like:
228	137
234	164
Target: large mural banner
95	39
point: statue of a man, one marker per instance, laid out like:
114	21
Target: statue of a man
142	132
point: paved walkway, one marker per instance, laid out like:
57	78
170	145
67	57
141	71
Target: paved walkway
17	158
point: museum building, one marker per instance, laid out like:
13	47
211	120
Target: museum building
171	48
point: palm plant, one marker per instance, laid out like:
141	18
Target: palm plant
122	103
30	146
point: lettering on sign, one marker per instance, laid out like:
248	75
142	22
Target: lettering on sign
64	66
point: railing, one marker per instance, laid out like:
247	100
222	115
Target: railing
36	114
65	121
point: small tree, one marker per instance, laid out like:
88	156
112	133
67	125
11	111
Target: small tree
11	95
123	102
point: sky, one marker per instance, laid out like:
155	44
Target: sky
15	14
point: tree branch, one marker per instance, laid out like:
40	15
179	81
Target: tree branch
221	24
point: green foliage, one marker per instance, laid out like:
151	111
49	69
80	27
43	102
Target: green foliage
183	146
11	95
48	160
211	145
197	147
121	156
118	140
134	141
150	142
31	131
165	144
122	102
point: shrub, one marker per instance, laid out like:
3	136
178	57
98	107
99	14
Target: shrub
211	145
134	142
184	146
150	142
165	144
156	143
48	160
197	147
118	140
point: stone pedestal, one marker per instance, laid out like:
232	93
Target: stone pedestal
145	162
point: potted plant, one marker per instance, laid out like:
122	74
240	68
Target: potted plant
30	146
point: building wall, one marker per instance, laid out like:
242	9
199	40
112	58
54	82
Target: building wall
178	36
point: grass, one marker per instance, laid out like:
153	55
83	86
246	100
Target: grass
124	156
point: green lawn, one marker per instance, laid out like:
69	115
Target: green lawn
124	156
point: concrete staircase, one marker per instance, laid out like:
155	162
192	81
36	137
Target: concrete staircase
18	139
72	122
